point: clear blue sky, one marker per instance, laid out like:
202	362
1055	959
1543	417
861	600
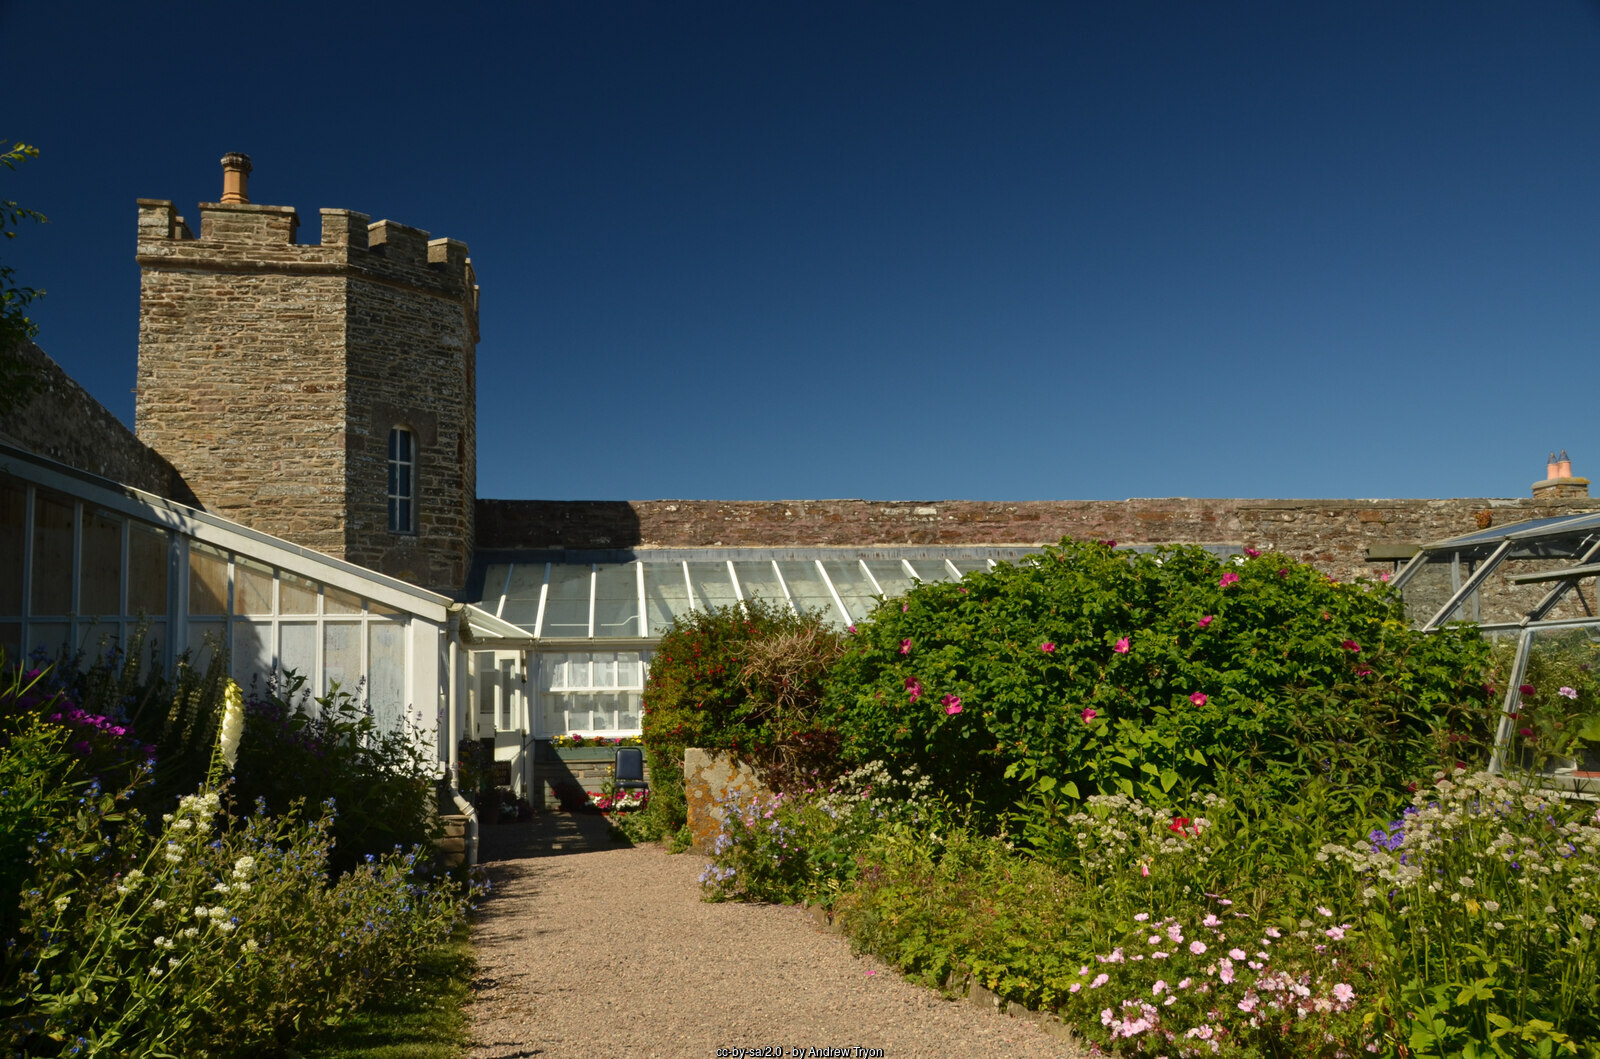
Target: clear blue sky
897	250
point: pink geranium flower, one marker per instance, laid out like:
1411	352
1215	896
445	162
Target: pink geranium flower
1047	647
905	647
1121	646
1566	692
951	704
1229	578
1198	698
1203	622
1088	715
1343	993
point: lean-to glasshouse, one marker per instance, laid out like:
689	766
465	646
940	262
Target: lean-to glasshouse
1532	588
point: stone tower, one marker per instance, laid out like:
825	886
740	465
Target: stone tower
324	393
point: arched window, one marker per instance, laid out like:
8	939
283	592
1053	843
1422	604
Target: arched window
402	481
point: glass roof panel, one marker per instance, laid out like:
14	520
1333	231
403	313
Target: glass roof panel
566	606
1556	525
931	570
665	595
712	586
850	581
810	592
616	600
891	576
967	566
759	580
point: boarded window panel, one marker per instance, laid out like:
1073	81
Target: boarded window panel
208	580
252	589
341	656
338	601
100	587
147	570
296	595
52	555
13	515
386	665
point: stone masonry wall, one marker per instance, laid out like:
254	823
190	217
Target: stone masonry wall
412	334
270	373
1333	534
63	423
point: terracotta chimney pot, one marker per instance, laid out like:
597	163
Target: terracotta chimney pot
1551	468
236	178
1563	466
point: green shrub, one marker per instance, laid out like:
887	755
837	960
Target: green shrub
329	750
746	679
789	848
1087	670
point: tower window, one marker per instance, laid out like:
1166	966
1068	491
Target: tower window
402	481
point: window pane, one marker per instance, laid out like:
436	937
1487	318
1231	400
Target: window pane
628	717
341	656
208	580
760	581
809	591
13	513
616	600
386	684
202	638
52	556
100	588
375	608
252	588
850	581
566	608
931	570
297	650
554	713
48	636
296	595
603	712
251	660
148	557
890	575
338	601
967	566
664	595
712	586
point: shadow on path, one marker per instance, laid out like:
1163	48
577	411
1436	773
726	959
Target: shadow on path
548	834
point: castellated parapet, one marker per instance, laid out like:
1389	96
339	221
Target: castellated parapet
271	374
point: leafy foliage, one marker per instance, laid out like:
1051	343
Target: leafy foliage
1087	670
746	679
330	751
17	383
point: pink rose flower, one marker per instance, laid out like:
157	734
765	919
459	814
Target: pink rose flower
905	647
1047	647
951	704
1121	646
1229	578
1198	698
1203	622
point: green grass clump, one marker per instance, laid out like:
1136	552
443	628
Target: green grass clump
422	1017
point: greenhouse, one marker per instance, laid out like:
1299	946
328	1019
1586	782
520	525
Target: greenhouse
85	562
1524	584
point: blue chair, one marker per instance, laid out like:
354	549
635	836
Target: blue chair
628	772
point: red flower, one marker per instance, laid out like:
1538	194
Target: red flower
1121	646
1526	689
1526	733
1252	553
1351	645
905	647
1047	647
913	686
1088	715
1180	825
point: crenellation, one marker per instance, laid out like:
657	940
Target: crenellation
248	224
400	244
344	228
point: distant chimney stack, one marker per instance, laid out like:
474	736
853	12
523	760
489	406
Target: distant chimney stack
1559	484
235	178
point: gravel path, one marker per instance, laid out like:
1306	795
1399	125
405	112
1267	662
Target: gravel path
586	950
